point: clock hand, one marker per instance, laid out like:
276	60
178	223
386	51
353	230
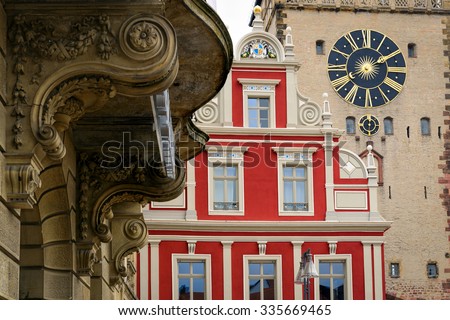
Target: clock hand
383	59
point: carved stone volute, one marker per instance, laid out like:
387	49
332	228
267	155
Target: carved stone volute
103	186
130	234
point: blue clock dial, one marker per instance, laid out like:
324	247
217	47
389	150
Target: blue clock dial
366	68
369	125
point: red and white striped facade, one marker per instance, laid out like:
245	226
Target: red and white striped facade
238	216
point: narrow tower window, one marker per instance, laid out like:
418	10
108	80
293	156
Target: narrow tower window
320	47
350	125
432	270
395	270
388	126
425	126
412	50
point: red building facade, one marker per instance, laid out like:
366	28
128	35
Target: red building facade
274	181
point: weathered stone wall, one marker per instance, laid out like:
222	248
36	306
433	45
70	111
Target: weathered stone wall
410	196
9	220
445	165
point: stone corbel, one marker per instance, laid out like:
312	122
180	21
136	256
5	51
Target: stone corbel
22	179
86	258
102	187
129	232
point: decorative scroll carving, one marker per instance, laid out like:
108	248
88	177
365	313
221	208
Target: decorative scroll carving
65	105
69	97
208	113
309	114
103	184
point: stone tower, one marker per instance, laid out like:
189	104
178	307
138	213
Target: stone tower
411	144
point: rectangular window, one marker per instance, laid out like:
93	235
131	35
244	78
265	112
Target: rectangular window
432	270
295	181
225	177
425	126
332	282
395	270
226	180
258	112
295	188
191	276
261	280
350	125
191	280
262	277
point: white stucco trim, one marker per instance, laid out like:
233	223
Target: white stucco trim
154	269
227	270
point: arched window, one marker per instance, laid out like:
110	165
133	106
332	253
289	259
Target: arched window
388	126
350	125
412	50
425	126
320	47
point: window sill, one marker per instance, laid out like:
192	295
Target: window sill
226	213
296	213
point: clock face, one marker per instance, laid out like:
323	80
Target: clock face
369	125
366	68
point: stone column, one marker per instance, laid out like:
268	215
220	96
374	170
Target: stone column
9	218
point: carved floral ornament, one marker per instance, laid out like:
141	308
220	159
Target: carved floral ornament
35	41
145	37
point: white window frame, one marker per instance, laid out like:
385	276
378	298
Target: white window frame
278	273
259	88
347	259
191	257
226	155
294	156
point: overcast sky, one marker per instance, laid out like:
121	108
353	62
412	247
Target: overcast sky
236	16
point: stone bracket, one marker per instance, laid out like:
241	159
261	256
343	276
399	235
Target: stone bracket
22	179
130	234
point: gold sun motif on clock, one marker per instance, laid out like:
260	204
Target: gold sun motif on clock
367	67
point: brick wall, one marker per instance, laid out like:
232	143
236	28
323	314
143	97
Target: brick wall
445	179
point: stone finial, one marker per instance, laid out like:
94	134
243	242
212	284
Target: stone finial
258	24
326	114
370	158
289	44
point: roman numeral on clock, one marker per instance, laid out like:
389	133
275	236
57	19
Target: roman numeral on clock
393	84
340	82
337	67
397	69
351	95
